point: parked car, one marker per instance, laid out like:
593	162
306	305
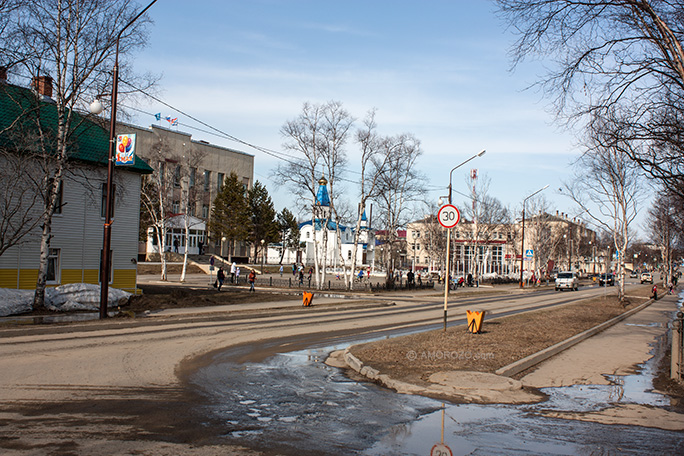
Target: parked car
633	275
567	280
646	277
603	278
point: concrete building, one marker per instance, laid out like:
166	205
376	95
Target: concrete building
196	167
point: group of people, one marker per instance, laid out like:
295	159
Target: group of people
234	277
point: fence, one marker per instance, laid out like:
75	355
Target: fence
332	284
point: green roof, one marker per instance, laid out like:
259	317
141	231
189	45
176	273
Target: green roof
22	110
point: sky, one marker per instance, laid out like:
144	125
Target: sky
440	70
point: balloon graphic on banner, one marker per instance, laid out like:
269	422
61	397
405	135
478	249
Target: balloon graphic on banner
125	147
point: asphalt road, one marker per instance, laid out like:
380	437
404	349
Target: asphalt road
120	386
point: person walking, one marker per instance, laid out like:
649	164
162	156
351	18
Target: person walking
654	292
281	270
233	268
220	277
237	276
175	244
301	277
251	279
310	275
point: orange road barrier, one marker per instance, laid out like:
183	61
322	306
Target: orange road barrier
475	319
308	299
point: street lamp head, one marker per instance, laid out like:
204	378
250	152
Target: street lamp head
481	153
96	107
440	201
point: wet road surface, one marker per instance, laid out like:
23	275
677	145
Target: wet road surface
294	404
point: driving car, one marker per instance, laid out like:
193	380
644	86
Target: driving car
633	275
646	277
609	278
566	280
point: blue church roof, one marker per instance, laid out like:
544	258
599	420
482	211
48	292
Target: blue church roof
322	197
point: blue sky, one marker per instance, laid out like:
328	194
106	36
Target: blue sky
437	69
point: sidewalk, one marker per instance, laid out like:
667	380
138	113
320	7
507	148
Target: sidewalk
614	351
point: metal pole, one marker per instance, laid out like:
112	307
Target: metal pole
105	266
448	278
522	247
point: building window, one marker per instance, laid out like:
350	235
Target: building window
205	211
307	234
207	180
219	181
349	254
193	174
176	177
103	208
175	207
53	266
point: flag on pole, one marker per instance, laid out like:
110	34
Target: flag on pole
157	116
173	122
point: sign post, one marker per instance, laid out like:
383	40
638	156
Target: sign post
448	217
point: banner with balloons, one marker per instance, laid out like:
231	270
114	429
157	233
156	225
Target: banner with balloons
125	150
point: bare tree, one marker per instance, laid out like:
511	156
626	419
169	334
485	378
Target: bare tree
487	216
398	185
72	42
619	63
190	160
374	159
317	136
544	235
607	187
665	233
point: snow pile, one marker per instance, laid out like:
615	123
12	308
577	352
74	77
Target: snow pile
14	302
65	298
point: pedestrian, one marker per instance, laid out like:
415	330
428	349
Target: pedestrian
233	268
368	271
310	275
654	292
237	275
281	270
199	247
175	244
360	275
301	277
220	277
251	279
294	269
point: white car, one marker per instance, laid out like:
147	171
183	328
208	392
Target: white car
567	280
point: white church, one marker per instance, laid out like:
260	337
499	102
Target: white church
315	229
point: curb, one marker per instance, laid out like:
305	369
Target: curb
543	355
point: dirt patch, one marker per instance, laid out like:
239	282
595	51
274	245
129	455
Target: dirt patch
157	297
144	269
415	357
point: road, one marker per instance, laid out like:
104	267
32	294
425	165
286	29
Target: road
86	388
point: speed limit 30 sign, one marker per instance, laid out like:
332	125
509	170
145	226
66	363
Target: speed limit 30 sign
448	216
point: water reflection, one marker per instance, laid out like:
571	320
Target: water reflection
293	403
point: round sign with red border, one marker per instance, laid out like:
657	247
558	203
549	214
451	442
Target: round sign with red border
441	449
448	216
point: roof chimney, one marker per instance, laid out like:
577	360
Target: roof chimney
3	74
42	85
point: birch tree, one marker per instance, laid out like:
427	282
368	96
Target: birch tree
607	187
73	42
398	185
617	62
317	136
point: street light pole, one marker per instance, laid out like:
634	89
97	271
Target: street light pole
448	246
105	266
522	241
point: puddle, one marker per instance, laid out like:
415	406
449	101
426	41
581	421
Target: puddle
294	404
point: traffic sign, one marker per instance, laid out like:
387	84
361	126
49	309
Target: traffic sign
441	449
448	216
529	253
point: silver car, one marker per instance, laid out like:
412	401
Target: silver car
567	280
